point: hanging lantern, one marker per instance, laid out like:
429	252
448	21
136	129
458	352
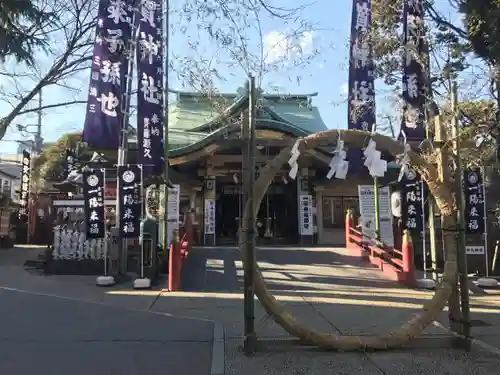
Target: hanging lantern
152	202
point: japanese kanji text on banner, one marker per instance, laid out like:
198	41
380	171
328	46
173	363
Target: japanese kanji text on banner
361	97
93	197
150	103
414	85
108	74
25	183
130	200
474	201
412	202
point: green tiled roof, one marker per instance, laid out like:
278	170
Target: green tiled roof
194	119
195	114
303	117
188	116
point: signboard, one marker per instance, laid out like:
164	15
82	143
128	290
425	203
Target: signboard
367	201
474	250
174	197
367	210
386	234
209	216
306	215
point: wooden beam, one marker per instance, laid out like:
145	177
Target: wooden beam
319	156
219	159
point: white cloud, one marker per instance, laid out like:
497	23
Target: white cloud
279	46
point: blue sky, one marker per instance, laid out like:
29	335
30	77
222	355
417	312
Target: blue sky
326	73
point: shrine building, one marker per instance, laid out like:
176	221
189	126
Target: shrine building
206	161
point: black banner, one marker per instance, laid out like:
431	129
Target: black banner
474	201
25	183
414	80
93	196
150	107
361	97
108	74
412	195
129	194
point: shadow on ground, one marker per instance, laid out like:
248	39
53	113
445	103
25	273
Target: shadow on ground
325	289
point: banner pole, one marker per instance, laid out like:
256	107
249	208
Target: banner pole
122	150
485	218
424	232
105	227
141	227
166	22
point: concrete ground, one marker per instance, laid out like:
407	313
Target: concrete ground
325	288
67	325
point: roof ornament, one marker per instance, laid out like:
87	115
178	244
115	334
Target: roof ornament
338	165
292	162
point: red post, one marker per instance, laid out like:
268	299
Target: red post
178	252
348	225
188	228
408	258
174	260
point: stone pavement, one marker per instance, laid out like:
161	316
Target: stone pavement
323	287
328	290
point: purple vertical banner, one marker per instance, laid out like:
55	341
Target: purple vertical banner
108	74
361	97
414	80
150	102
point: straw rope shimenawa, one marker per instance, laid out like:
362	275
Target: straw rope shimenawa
430	310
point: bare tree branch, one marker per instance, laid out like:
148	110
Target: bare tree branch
51	106
70	53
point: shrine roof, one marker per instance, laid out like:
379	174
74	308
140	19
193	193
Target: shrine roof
200	113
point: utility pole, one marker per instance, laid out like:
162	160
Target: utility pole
444	157
461	238
249	225
164	238
38	141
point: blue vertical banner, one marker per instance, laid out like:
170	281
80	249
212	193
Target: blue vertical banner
414	80
150	102
108	74
361	98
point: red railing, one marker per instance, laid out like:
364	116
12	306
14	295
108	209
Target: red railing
178	254
396	264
